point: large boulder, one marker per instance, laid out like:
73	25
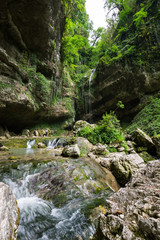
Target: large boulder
84	145
134	212
80	124
143	140
122	165
71	151
9	214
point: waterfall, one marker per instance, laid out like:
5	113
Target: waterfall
30	143
90	101
53	143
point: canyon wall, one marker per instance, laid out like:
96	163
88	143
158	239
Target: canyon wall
31	79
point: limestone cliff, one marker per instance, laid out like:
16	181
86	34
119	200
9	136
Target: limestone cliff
30	67
134	74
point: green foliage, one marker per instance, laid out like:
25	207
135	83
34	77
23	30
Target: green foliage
108	130
75	42
139	17
132	33
120	104
148	119
39	83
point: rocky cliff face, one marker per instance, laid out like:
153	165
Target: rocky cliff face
30	67
123	82
133	212
133	77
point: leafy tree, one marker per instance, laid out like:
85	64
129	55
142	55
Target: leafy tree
75	42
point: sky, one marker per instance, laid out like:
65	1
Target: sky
95	9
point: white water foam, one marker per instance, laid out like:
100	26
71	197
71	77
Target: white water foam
30	143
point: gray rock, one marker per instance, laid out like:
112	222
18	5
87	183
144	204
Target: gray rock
41	145
3	148
139	204
142	139
9	214
80	124
84	145
122	165
71	151
26	132
100	149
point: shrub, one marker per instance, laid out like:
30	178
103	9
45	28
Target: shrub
108	130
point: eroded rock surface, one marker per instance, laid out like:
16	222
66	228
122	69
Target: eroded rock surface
9	214
30	66
122	165
71	151
133	213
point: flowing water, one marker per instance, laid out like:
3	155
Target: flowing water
56	197
90	101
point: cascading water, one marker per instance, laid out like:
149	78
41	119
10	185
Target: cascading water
90	101
30	143
55	197
53	143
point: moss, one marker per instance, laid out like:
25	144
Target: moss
15	143
148	119
88	206
146	157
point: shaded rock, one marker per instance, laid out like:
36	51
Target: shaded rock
114	145
9	214
156	141
7	134
146	156
122	165
36	133
26	132
2	132
41	145
100	149
3	148
143	140
58	151
71	151
121	149
133	212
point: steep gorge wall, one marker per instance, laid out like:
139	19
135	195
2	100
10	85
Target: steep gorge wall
30	66
132	78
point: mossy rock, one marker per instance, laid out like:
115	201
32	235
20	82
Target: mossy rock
146	156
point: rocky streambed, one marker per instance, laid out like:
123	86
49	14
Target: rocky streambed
73	197
58	198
